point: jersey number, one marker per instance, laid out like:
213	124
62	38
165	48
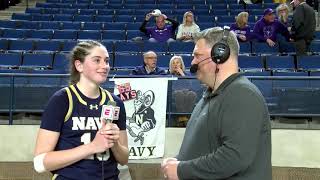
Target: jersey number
86	139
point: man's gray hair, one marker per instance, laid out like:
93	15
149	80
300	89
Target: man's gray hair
214	35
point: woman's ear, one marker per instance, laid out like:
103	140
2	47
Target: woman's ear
78	65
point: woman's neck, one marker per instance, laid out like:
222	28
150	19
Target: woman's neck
89	89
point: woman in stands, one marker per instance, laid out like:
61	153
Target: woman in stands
73	141
241	27
176	66
187	29
283	14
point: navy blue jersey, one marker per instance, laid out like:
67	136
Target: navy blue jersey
77	119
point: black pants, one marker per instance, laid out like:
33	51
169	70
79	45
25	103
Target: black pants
302	46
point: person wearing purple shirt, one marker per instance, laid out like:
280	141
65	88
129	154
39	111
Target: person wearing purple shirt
161	32
241	27
267	28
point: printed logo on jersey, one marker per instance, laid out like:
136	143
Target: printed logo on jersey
86	123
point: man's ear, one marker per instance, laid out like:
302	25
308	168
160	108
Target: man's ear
78	65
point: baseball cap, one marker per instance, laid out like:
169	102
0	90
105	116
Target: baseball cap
268	11
156	12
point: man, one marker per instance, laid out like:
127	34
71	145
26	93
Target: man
267	28
161	32
303	26
228	134
149	65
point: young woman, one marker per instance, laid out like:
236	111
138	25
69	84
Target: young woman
188	28
73	141
241	27
176	66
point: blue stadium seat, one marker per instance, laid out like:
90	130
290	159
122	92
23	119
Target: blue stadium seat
125	11
68	45
65	34
61	63
10	60
92	26
80	6
21	45
14	33
97	6
140	19
251	63
127	46
187	59
181	47
105	12
245	47
89	34
109	44
157	47
38	60
42	17
205	25
53	45
127	60
315	47
283	73
308	63
226	19
257	73
114	26
113	35
28	25
84	18
123	18
317	35
71	25
219	12
198	7
63	17
88	12
4	44
69	11
280	63
49	25
33	11
135	33
104	18
264	48
40	34
51	10
217	6
8	24
22	16
163	61
205	19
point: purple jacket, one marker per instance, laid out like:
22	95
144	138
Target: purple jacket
264	30
241	31
161	35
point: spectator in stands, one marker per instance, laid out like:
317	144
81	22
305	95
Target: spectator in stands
161	32
149	65
188	28
241	27
283	14
228	135
176	66
73	140
267	28
303	26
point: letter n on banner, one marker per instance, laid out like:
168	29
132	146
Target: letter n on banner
145	100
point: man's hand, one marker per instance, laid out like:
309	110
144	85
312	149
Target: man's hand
270	42
148	16
169	168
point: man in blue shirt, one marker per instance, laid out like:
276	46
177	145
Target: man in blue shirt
149	66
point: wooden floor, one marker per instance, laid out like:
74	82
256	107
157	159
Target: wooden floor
149	171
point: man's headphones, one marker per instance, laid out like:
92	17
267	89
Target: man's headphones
220	52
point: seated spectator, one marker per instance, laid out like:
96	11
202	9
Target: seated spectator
283	14
149	65
267	28
161	32
241	27
176	66
188	28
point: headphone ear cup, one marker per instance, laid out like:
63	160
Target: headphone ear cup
220	53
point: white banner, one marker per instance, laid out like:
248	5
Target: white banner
145	100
